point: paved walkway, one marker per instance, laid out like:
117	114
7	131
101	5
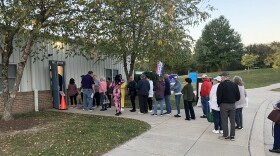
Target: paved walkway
172	136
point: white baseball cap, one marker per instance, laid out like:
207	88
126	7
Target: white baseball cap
204	76
218	78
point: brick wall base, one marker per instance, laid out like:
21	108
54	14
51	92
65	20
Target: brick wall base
24	102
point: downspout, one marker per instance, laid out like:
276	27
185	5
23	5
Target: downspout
33	85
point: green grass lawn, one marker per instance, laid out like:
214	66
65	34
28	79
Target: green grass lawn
276	90
71	134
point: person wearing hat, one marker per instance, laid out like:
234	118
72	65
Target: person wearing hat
204	93
214	106
227	94
177	92
143	87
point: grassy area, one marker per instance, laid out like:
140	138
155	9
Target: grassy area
71	134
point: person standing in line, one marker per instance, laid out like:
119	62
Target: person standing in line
227	94
132	92
96	100
276	143
214	106
204	93
159	95
116	85
109	91
72	92
151	94
240	103
81	90
167	93
187	92
88	91
123	88
177	92
143	88
102	91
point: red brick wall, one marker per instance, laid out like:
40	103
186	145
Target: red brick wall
24	102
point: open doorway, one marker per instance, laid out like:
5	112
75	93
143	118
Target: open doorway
57	81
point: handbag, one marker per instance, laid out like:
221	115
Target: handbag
106	100
210	117
274	116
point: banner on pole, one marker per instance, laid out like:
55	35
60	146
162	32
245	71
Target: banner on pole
159	69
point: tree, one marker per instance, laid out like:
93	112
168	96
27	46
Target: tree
219	46
23	23
262	50
147	30
249	60
274	58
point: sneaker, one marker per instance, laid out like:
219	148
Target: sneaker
221	132
91	110
140	113
177	115
187	119
232	138
84	109
102	109
203	116
215	131
133	110
150	111
154	114
274	150
161	114
224	138
117	114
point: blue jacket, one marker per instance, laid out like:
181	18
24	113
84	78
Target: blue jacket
177	87
143	87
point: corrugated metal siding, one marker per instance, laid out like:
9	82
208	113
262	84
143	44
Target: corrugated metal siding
74	68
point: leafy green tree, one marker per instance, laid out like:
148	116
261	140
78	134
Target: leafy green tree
219	46
262	50
147	30
23	23
274	58
249	60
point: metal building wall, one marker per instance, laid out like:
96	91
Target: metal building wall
37	75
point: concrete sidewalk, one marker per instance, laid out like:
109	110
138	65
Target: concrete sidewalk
176	136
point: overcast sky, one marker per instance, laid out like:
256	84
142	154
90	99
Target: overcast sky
257	21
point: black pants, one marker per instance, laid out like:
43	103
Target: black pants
96	100
189	109
227	110
73	98
110	99
143	103
238	117
82	97
150	103
132	99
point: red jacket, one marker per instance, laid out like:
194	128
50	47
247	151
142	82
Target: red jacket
205	87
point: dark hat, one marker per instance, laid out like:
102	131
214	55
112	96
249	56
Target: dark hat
90	72
224	73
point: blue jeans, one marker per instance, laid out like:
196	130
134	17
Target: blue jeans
239	117
167	103
276	144
161	106
205	104
177	100
87	100
217	120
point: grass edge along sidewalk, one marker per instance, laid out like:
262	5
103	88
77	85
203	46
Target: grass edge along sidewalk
69	134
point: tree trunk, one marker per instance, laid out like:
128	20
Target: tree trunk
131	66
7	114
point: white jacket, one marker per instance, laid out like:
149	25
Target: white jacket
151	91
213	97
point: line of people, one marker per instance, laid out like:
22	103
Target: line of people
226	99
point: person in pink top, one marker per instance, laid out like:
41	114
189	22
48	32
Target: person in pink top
102	91
116	85
72	91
